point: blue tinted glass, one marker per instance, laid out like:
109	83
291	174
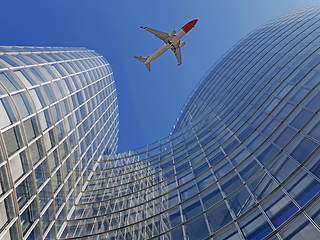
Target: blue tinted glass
200	169
191	208
266	153
302	148
197	228
254	226
301	118
302	187
205	180
248	168
284	137
300	227
218	216
240	201
211	196
230	183
279	208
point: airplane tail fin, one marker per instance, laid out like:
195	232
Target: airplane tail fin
143	59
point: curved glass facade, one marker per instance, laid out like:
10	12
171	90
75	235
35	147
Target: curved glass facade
242	161
58	110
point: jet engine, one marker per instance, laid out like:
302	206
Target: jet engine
172	33
182	44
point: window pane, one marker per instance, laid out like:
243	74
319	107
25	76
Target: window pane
218	216
279	208
302	187
299	229
197	228
13	140
255	226
191	208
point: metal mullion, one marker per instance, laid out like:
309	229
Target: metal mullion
40	136
8	227
47	181
11	126
32	227
11	178
5	195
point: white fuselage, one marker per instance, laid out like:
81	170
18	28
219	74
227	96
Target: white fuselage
172	41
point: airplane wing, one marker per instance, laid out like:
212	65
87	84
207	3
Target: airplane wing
162	35
177	53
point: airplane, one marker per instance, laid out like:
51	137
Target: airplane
171	40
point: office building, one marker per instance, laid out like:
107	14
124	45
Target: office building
241	162
58	111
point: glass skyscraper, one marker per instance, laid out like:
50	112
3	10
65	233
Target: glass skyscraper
241	162
59	112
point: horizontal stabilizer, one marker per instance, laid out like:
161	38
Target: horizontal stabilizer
143	59
148	66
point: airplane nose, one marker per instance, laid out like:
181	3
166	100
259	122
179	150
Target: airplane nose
189	25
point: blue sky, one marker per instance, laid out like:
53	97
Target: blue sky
148	102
